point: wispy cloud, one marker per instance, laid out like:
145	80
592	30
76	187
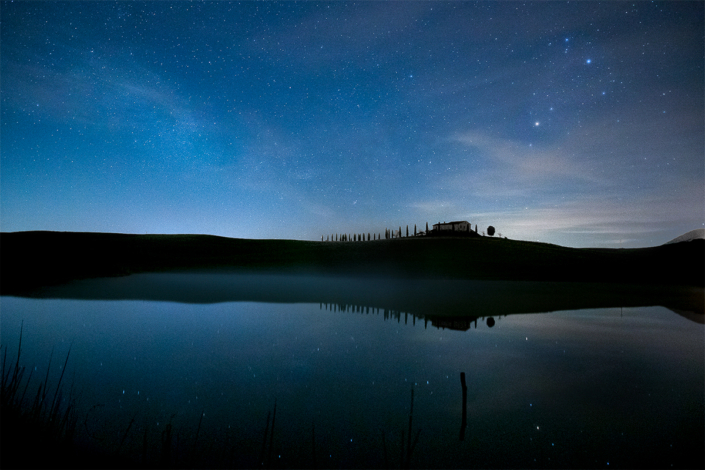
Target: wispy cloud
434	207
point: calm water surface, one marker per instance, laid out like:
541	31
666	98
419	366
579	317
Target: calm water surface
586	388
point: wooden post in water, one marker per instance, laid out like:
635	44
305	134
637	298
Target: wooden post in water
464	422
313	442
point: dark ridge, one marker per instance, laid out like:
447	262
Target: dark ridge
33	259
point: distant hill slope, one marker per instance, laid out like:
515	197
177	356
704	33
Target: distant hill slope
33	259
697	234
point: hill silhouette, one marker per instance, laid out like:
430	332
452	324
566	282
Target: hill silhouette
35	259
698	233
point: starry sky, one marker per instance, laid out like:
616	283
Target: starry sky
579	124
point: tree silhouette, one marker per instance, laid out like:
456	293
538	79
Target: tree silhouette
414	229
407	231
490	230
426	227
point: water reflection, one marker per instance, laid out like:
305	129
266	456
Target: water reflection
457	323
573	388
418	297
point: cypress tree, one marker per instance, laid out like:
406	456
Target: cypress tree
407	231
427	227
414	229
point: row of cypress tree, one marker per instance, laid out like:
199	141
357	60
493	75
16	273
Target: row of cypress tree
357	237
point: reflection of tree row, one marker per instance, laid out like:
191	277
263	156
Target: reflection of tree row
439	321
389	314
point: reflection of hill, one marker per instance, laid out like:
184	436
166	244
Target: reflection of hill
420	297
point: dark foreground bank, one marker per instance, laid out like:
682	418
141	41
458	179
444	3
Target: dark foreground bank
34	259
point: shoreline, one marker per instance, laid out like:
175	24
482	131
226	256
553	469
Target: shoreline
32	260
423	298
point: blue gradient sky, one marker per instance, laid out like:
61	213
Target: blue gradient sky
577	124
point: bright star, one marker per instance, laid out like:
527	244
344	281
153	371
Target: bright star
589	60
536	123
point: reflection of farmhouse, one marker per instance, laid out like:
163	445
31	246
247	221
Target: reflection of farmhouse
453	323
457	323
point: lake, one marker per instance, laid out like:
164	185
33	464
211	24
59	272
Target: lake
596	384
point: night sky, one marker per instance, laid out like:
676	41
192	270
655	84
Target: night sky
580	124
